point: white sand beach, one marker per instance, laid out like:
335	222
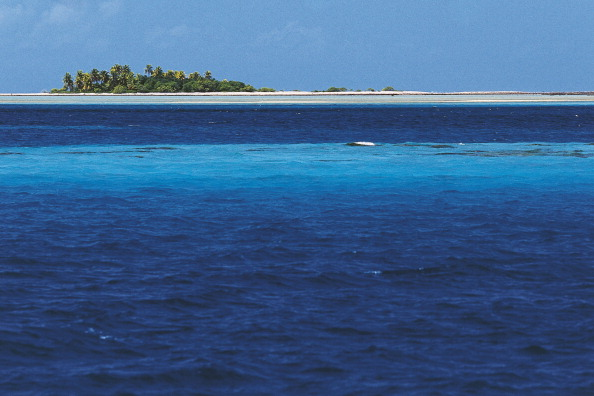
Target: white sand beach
301	97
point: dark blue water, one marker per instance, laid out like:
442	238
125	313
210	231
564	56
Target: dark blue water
246	249
28	125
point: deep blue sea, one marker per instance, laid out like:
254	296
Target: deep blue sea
246	249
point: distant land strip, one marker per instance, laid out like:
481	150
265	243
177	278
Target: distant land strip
317	93
302	98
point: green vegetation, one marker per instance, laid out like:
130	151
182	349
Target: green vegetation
120	79
334	89
342	89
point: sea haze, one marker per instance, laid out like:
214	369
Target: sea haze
247	249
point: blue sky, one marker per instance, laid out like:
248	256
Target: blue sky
429	45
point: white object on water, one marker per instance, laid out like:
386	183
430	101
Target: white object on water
361	144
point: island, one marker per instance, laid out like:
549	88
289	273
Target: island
121	79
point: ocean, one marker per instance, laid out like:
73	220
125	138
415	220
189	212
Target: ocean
247	249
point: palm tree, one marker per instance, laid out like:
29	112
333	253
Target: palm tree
128	79
68	83
180	75
158	72
87	81
79	80
194	76
208	75
95	76
116	74
104	78
148	70
126	76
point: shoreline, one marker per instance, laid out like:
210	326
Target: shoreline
303	97
311	93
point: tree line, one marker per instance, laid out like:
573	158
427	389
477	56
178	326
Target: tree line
121	79
342	89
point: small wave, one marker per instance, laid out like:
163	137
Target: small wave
535	350
347	331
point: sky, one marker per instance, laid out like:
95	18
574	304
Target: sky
424	45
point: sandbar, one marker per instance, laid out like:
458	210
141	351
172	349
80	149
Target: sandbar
305	97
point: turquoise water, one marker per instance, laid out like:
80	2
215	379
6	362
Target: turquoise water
406	166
